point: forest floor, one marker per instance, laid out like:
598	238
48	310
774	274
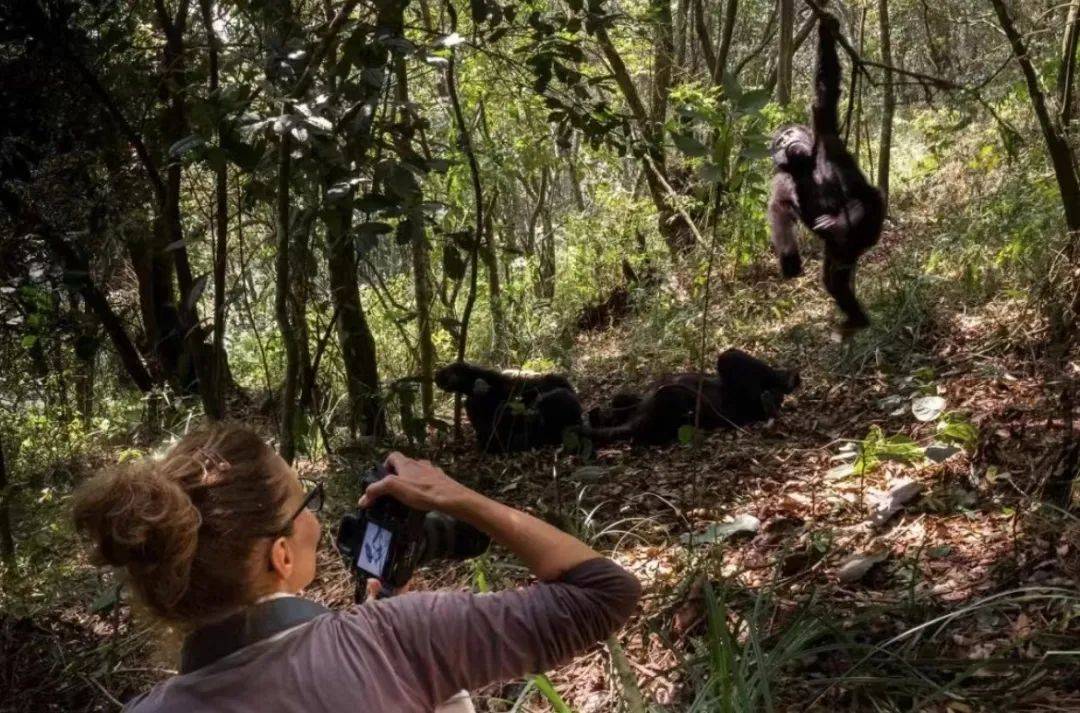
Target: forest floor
968	604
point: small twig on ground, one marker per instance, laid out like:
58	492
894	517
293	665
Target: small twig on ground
104	691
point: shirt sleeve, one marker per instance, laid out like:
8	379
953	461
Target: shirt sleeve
437	643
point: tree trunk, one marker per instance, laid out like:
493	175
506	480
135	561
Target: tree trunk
299	295
465	139
888	107
786	52
547	258
858	119
1067	72
701	24
199	365
500	345
421	258
357	343
287	425
731	12
221	211
671	224
421	264
682	22
570	155
7	540
774	75
1057	145
663	54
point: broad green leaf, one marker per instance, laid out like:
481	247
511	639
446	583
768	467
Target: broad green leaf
374	228
712	173
186	144
753	101
197	288
689	145
955	428
732	89
754	152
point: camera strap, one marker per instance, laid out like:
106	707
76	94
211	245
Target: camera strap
255	623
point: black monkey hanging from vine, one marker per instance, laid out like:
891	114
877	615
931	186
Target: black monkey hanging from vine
818	182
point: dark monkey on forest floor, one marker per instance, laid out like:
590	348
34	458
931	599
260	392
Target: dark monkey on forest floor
513	411
744	390
818	182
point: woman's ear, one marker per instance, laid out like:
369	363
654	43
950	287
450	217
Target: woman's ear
281	557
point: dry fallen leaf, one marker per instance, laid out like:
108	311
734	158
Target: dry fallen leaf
856	566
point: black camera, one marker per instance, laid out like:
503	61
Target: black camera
388	540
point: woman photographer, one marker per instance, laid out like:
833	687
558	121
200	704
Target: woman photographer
220	535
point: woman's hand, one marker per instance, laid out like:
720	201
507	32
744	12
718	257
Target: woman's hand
418	484
545	550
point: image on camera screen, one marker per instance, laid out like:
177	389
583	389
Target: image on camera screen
375	550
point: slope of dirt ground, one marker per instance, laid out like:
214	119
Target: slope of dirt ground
977	530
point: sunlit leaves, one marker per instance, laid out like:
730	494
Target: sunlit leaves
186	145
689	144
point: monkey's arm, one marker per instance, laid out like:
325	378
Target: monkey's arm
827	80
838	225
783	212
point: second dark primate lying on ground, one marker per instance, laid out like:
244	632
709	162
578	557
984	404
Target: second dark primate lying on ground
744	390
513	412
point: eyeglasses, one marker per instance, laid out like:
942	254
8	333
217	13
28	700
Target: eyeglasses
313	501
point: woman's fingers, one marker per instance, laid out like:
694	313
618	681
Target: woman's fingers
378	489
395	461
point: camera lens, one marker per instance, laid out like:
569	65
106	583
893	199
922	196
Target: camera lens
448	538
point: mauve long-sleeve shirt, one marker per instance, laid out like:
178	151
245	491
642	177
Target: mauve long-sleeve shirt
410	652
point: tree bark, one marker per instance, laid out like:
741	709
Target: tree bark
1067	72
174	128
731	12
221	210
671	224
500	345
357	343
800	38
786	52
708	52
287	425
1057	145
663	55
421	260
7	540
299	295
888	106
465	140
359	357
682	21
546	270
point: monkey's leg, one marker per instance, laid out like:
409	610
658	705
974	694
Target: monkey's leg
782	218
839	278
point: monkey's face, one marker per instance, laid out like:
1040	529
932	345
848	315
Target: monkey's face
791	380
791	145
455	379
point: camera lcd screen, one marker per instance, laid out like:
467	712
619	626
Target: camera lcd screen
375	550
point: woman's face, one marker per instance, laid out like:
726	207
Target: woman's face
300	546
